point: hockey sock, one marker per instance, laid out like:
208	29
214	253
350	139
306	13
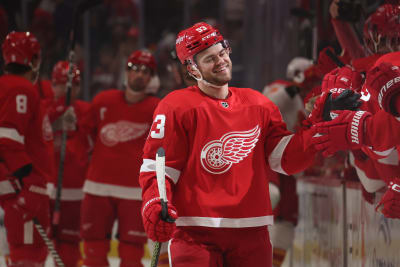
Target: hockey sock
131	254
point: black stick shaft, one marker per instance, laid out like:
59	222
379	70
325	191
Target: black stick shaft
82	6
334	58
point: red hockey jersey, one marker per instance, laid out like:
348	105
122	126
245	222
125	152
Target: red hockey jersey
217	155
25	130
120	133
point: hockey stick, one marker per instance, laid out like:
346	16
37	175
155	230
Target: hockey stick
334	58
160	171
49	243
80	8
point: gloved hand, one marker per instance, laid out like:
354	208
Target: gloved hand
156	228
67	121
342	78
343	133
389	205
383	82
338	93
30	201
339	99
12	184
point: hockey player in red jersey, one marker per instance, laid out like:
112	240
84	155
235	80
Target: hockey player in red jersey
120	122
24	133
219	141
66	234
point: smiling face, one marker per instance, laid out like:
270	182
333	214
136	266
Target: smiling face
215	64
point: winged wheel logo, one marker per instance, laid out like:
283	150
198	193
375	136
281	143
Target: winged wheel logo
217	156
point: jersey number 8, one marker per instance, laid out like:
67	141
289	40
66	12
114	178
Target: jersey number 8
22	102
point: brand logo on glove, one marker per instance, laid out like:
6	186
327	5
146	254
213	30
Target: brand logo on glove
395	187
354	126
385	87
217	156
337	90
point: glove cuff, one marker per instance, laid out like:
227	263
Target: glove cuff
387	94
358	128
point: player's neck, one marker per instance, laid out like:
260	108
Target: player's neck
215	92
132	97
27	75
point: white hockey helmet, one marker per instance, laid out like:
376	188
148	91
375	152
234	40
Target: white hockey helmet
296	67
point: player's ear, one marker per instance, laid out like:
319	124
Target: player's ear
190	68
193	70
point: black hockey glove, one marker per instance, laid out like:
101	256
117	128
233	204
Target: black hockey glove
347	100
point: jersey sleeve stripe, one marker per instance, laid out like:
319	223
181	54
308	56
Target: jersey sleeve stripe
108	190
68	194
275	158
12	134
149	165
384	153
6	188
225	222
391	159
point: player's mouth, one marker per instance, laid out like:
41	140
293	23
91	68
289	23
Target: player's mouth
221	69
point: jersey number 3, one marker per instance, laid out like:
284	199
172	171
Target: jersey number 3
159	121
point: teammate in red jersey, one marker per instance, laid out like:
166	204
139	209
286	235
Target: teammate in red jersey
219	141
25	131
120	122
66	234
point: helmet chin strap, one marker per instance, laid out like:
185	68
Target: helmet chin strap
201	79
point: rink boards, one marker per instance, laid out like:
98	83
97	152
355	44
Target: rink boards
338	228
